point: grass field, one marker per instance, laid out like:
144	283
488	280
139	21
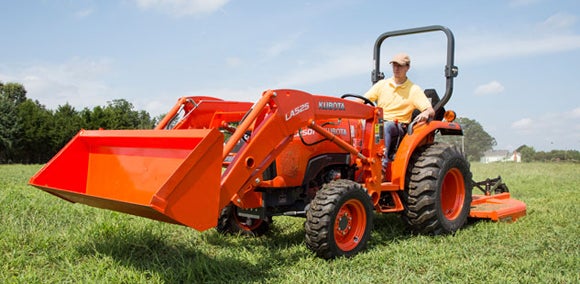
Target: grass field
47	240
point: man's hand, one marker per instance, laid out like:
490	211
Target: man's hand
425	115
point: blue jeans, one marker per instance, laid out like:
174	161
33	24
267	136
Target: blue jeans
392	132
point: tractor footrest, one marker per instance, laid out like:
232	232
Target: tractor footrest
498	207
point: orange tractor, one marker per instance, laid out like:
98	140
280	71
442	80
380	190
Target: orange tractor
236	165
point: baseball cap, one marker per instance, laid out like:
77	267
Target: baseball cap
401	59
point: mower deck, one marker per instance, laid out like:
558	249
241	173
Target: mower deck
498	207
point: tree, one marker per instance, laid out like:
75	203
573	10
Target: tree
475	140
11	96
145	121
14	92
118	114
528	153
93	119
8	125
34	143
67	122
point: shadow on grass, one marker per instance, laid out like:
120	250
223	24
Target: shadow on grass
207	258
212	257
388	229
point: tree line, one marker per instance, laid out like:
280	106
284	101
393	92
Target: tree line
529	154
31	134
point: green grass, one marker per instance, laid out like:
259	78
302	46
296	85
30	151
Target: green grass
47	240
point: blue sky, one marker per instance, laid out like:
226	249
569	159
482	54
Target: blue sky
518	59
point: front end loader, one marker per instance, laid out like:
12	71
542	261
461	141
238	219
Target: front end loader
236	165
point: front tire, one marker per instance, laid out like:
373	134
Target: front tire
339	220
437	198
230	223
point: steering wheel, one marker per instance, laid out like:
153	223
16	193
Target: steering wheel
367	101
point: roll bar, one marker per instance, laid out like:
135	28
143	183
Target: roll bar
451	70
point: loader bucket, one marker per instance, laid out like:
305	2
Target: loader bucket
167	175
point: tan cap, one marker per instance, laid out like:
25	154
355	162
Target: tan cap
401	59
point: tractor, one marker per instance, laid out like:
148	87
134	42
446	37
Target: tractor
234	166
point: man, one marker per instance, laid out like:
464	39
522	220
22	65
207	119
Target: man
398	97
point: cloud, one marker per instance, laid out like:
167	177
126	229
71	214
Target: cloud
339	63
552	35
81	14
493	87
523	124
494	47
181	8
559	21
233	61
282	45
561	130
521	3
575	113
78	81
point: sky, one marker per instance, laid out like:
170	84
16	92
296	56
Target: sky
518	60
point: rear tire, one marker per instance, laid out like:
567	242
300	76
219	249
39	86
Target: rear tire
230	223
339	220
437	198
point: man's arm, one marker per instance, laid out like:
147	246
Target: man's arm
422	102
426	114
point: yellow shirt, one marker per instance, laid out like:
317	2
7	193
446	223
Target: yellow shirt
398	102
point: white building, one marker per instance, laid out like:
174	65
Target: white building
501	156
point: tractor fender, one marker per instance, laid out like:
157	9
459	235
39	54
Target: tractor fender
319	163
420	135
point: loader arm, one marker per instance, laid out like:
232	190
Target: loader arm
202	112
276	117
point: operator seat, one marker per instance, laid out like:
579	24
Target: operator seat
434	98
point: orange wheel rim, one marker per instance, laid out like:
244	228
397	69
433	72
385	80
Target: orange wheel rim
350	225
248	224
452	194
